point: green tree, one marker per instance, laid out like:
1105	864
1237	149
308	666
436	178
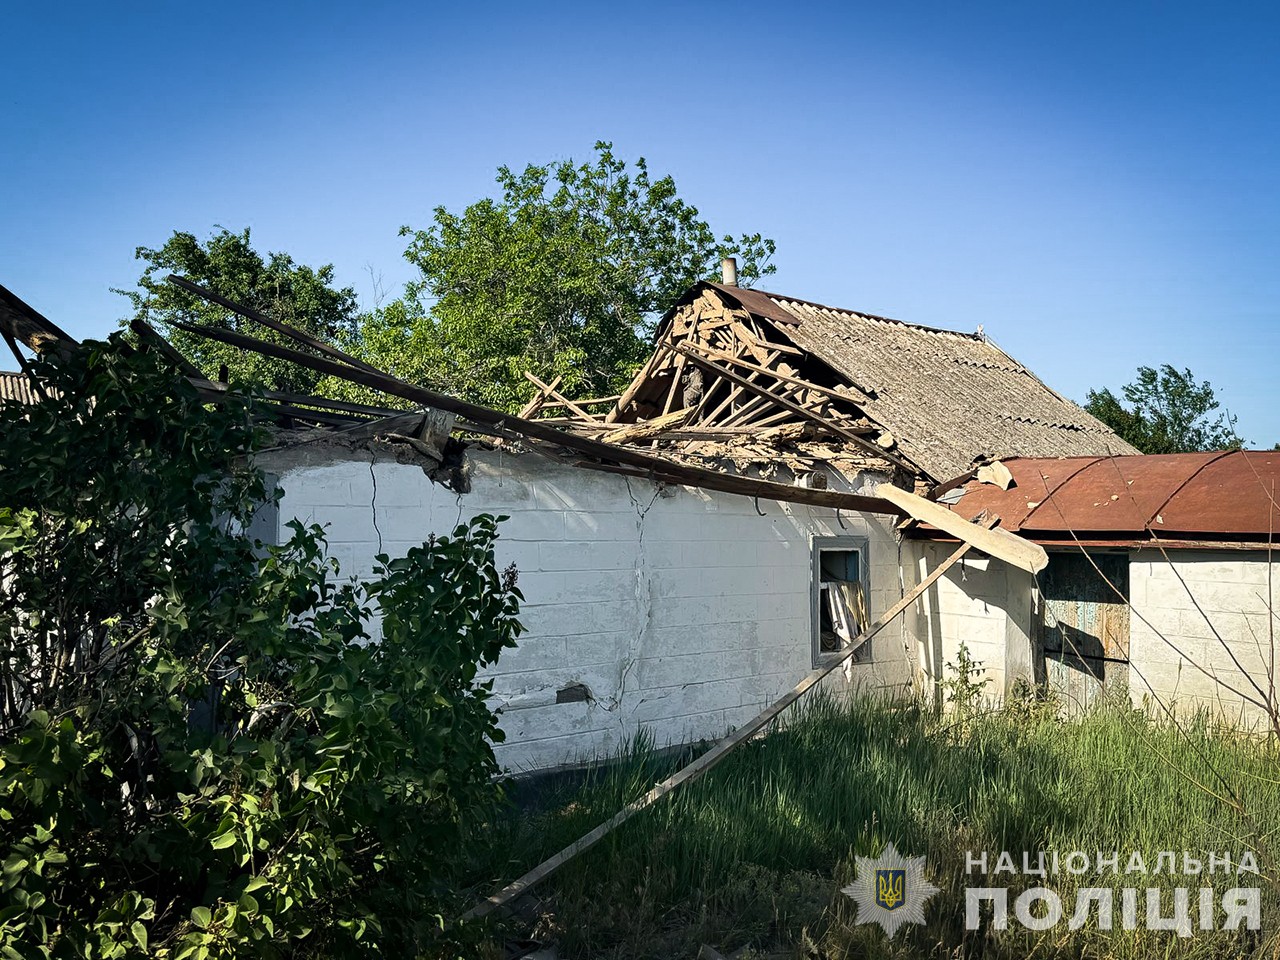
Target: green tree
275	285
201	752
1167	412
561	276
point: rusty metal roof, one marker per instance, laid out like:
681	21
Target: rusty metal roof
1214	496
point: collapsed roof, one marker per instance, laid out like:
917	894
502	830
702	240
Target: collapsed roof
428	432
935	402
743	388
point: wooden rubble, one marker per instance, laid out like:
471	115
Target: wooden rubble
725	402
724	386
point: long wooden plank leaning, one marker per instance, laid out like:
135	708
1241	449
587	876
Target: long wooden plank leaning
712	756
1000	544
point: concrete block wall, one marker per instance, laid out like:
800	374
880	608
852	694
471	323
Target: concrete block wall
681	610
980	602
1202	631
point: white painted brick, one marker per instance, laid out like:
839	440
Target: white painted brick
580	619
704	582
588	555
524	554
597	585
673	702
704	638
533	653
405	523
697	668
598	651
399	485
779	606
538	526
503	494
697	611
542	587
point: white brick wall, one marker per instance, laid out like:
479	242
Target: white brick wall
1201	635
1200	631
682	610
967	605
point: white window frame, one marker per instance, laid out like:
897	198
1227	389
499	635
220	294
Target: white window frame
843	543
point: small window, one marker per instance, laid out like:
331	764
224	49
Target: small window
840	594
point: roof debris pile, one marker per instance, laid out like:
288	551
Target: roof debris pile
745	392
757	381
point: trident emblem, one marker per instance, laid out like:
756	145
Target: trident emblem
891	888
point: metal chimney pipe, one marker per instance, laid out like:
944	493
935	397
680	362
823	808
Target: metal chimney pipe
729	271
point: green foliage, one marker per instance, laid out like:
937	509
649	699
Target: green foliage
964	685
755	853
562	276
1168	412
227	264
201	752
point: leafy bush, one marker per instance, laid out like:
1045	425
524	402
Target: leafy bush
201	752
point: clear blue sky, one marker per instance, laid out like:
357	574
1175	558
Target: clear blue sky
1096	183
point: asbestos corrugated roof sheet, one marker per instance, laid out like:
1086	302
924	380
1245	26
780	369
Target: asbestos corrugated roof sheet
948	398
1215	495
16	387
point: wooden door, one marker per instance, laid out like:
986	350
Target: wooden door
1084	625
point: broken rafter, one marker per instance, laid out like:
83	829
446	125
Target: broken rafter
641	378
647	429
23	363
217	392
28	326
779	375
752	387
149	337
550	390
323	417
484	416
293	333
1000	544
535	405
583	403
752	335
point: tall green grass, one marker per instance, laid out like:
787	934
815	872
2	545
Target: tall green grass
755	853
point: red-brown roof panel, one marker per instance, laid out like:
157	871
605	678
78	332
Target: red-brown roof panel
1233	494
1117	493
1033	481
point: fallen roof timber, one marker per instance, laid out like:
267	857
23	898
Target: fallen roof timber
549	390
787	404
213	390
539	399
26	324
292	333
997	543
657	467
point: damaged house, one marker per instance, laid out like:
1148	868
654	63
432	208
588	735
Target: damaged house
1160	581
737	517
